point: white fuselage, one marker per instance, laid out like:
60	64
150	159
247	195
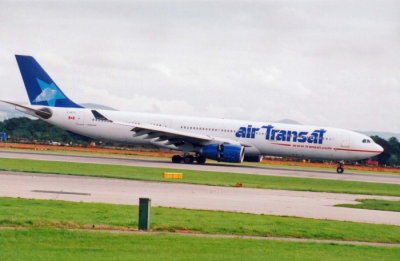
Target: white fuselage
260	138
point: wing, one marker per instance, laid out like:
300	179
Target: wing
172	136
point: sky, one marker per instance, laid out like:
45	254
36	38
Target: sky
327	63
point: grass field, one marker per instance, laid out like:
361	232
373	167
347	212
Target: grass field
63	214
200	177
387	205
44	244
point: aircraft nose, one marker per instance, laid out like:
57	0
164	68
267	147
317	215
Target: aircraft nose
379	148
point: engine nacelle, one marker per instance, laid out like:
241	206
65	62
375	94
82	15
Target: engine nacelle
253	158
224	152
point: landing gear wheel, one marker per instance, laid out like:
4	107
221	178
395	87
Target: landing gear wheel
201	159
189	159
340	167
176	159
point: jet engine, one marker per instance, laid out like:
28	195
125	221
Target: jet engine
224	152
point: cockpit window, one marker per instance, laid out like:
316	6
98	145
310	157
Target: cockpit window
366	141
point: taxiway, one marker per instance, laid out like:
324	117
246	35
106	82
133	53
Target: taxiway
258	201
239	168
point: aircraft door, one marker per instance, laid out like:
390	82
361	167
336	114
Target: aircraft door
80	116
345	141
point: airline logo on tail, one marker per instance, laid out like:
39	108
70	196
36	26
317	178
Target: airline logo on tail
41	89
49	93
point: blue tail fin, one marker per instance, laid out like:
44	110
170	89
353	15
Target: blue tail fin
42	90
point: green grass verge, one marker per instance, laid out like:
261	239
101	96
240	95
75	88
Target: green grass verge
376	204
134	156
44	244
64	214
200	177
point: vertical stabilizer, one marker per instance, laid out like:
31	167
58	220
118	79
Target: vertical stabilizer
41	89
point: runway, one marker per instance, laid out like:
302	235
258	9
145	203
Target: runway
245	169
257	201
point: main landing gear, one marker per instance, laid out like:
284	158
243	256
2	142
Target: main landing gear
340	167
188	159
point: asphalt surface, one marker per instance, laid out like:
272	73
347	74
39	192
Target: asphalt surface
258	201
258	170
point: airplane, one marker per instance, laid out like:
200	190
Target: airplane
198	138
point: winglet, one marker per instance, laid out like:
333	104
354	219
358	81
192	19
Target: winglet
41	89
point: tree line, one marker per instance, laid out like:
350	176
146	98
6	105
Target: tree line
391	154
41	132
37	131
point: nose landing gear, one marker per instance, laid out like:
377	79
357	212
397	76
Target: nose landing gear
340	167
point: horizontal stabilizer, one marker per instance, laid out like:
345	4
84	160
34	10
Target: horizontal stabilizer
44	113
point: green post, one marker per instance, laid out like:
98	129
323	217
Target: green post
144	213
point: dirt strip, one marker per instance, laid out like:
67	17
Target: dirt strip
327	241
139	232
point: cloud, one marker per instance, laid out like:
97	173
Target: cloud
329	63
